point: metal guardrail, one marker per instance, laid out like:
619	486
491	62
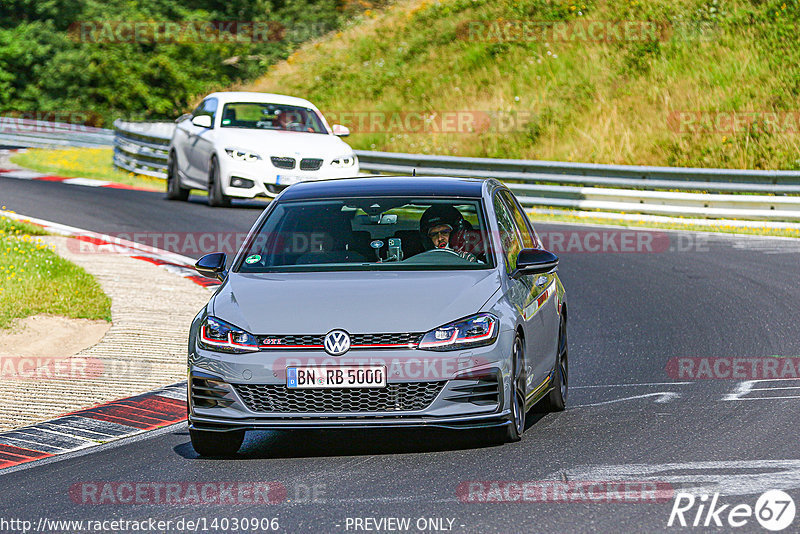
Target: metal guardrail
677	191
142	147
17	132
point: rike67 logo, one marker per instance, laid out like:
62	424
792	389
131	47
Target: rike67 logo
774	510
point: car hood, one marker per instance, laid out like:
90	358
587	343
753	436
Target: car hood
358	302
268	143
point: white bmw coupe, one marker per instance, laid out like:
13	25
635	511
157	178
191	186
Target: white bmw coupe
244	145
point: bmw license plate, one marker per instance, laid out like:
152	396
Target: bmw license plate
367	376
282	179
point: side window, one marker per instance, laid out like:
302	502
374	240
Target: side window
207	107
510	241
528	240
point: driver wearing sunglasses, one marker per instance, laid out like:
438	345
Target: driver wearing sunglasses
438	224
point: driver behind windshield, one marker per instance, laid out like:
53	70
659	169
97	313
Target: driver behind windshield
285	119
438	223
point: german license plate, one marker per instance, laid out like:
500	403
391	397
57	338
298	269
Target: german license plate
282	179
367	376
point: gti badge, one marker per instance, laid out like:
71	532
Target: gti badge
337	342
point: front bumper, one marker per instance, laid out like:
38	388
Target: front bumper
474	391
263	179
500	419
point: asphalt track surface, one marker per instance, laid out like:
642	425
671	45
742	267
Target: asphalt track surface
628	417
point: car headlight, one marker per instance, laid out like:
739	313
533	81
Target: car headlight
220	336
242	155
475	331
343	162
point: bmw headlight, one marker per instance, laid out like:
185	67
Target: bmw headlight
343	162
242	155
475	331
223	337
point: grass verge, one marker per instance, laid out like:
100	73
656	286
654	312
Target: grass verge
83	163
34	279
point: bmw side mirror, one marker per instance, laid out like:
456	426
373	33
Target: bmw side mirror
212	265
534	261
203	121
340	131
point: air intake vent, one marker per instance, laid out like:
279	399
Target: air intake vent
209	393
481	390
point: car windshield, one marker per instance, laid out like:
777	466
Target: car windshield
263	116
370	234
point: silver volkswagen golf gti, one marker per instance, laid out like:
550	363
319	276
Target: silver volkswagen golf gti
380	302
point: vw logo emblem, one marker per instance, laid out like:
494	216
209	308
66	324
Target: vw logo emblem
337	342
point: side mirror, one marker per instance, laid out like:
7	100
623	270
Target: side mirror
212	265
534	261
341	131
203	121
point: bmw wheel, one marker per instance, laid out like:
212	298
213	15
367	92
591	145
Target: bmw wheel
517	427
216	443
216	199
174	189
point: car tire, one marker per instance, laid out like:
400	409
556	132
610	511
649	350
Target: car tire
516	426
216	443
556	400
174	189
216	199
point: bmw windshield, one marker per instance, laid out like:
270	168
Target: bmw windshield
263	116
370	234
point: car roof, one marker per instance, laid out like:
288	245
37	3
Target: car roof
226	97
382	186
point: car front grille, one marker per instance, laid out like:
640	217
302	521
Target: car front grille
314	341
408	396
283	163
385	339
310	164
307	341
